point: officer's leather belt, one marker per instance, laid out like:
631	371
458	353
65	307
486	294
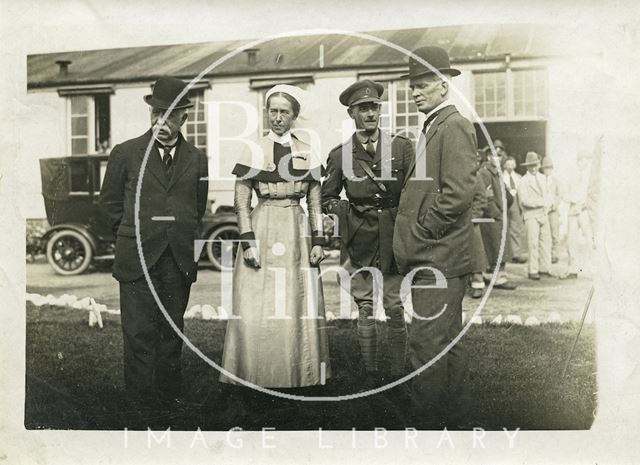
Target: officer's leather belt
376	203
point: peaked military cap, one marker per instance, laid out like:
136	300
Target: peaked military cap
362	92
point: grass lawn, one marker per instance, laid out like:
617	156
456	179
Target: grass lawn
74	381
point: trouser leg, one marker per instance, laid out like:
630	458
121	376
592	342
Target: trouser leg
587	231
554	226
139	331
396	327
362	293
479	259
439	393
152	349
533	241
545	245
479	255
572	243
175	295
491	239
516	226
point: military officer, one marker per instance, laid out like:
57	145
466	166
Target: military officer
370	168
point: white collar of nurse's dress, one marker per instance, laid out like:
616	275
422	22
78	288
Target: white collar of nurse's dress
284	139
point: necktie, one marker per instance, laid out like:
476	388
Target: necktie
167	159
429	119
370	148
512	183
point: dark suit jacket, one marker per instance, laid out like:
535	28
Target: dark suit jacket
433	226
492	177
183	197
366	231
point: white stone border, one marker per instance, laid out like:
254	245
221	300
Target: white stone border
208	312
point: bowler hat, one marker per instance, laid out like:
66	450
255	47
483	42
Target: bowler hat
165	91
532	159
546	163
362	92
437	57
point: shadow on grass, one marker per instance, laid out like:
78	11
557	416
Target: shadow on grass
74	381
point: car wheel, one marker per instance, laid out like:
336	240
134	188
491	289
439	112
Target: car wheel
69	252
214	245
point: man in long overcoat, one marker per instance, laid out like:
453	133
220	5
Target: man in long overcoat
433	239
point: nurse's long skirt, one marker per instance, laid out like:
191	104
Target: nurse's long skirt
277	335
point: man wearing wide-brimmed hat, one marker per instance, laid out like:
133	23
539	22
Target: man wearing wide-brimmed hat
434	231
171	201
536	201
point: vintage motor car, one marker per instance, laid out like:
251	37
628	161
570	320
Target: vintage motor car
79	235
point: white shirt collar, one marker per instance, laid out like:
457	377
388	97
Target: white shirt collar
284	139
172	152
446	103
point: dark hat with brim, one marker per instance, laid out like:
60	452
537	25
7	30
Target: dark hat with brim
362	92
437	57
165	91
532	159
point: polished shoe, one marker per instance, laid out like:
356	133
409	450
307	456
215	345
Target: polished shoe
545	274
570	276
476	293
506	286
534	276
519	260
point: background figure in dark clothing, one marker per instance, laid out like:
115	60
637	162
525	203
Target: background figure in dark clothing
492	231
478	213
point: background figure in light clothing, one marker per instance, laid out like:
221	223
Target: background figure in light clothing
556	198
535	201
579	220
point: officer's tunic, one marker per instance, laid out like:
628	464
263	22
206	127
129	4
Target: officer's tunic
367	218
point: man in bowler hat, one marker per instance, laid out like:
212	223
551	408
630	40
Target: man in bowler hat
172	200
433	238
378	161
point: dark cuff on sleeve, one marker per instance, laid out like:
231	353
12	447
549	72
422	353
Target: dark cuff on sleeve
317	238
248	239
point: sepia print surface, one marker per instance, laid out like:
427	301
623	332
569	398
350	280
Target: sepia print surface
280	335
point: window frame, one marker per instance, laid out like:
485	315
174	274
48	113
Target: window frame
90	116
391	80
90	93
198	89
509	94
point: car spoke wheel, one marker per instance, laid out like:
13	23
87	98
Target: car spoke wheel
215	244
69	252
